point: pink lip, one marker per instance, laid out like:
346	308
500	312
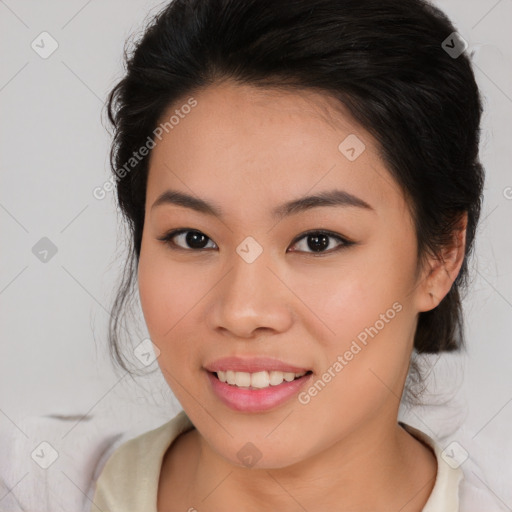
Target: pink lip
256	400
252	365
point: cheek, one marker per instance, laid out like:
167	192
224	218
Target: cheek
169	292
166	292
366	359
369	325
154	295
351	295
366	306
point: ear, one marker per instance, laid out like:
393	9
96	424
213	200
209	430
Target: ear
441	271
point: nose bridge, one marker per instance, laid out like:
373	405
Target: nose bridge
251	277
257	272
251	296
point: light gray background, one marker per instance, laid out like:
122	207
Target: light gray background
54	151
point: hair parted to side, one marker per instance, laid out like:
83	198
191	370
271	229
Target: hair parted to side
382	59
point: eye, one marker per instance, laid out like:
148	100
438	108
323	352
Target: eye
195	239
318	241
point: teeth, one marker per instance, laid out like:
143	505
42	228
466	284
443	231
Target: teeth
242	379
260	380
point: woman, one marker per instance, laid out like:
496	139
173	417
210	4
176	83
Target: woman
302	186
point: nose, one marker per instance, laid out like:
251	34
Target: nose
250	299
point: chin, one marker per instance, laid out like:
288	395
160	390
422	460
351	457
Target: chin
249	456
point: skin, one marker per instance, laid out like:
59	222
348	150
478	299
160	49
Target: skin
249	150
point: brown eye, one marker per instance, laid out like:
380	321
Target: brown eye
318	241
187	239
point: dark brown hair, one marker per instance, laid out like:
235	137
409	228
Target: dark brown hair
383	59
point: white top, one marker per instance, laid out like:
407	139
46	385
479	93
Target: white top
129	479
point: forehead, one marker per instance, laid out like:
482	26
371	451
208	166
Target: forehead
244	145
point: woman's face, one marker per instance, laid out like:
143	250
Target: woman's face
250	284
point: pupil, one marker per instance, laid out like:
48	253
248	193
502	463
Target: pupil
193	237
319	242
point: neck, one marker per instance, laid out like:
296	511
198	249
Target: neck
370	469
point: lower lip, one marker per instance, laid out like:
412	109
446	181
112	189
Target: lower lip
256	400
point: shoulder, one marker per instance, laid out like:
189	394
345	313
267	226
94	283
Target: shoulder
146	445
445	493
129	477
476	494
487	472
476	498
460	485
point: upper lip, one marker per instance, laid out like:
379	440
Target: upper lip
252	365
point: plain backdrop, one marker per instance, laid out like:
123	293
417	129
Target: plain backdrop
54	151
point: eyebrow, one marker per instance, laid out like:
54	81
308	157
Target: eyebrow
334	197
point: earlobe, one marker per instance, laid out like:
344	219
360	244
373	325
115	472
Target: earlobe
443	270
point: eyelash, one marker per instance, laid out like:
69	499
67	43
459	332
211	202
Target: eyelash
167	240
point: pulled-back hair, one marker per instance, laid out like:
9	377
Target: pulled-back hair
384	60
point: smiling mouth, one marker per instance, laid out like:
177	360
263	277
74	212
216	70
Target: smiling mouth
257	380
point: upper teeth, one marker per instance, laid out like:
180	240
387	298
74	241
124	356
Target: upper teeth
262	379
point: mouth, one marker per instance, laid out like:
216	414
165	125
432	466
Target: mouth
256	392
257	383
258	380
